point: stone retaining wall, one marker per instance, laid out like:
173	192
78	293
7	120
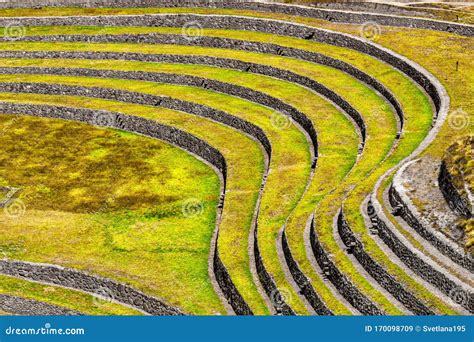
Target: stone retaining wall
216	42
420	267
455	201
79	280
252	24
29	307
409	217
340	281
377	271
194	146
302	281
132	97
228	288
325	14
268	284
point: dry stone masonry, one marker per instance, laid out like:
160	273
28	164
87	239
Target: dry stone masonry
330	15
30	307
127	295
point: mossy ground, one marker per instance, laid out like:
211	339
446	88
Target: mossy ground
95	196
453	48
59	296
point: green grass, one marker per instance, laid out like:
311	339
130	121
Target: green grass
73	300
391	79
124	203
322	115
144	276
351	90
291	165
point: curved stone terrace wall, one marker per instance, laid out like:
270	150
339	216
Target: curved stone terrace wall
226	43
302	281
228	288
340	281
79	280
414	71
29	307
455	201
396	200
417	265
378	272
268	284
325	14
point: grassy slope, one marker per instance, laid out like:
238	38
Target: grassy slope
107	191
413	50
326	119
345	85
297	158
65	298
290	165
243	203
